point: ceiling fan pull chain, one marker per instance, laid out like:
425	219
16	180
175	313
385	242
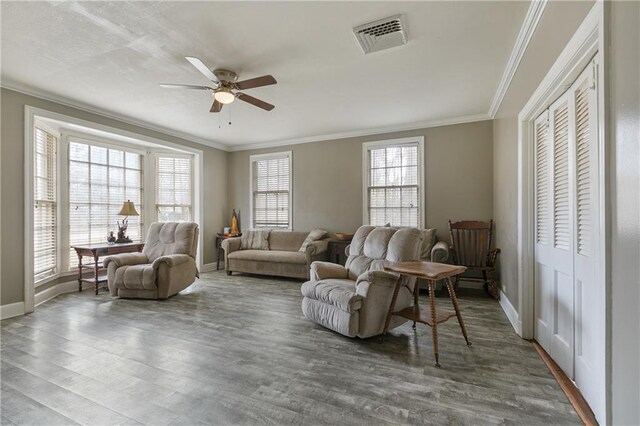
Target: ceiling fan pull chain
218	121
229	115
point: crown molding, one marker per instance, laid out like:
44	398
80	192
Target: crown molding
27	90
531	20
364	132
30	91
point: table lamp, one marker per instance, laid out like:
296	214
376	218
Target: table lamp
127	210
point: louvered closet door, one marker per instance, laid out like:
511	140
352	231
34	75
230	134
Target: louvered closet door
588	297
554	293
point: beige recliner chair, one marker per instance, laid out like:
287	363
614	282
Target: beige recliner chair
166	265
354	299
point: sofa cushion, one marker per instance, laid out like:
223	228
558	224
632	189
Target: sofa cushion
315	235
428	240
269	256
135	277
255	239
340	293
286	240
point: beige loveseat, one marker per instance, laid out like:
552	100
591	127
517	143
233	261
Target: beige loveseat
283	257
354	299
166	265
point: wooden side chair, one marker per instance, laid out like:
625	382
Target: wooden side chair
471	247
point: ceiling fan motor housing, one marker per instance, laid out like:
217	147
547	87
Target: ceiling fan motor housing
226	75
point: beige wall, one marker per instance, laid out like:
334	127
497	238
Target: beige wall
624	73
12	169
559	22
327	178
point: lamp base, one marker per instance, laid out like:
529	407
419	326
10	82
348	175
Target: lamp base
124	240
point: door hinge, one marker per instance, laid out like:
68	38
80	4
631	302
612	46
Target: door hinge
594	75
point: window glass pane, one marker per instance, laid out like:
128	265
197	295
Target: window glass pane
132	160
116	158
98	155
78	151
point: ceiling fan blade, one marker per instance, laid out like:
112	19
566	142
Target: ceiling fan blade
265	80
203	69
216	107
255	101
184	86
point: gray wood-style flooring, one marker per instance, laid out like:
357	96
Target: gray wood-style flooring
237	350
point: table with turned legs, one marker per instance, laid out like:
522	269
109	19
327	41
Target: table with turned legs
431	316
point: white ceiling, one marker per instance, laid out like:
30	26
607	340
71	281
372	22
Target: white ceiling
112	55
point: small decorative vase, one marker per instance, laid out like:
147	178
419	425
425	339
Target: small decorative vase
111	238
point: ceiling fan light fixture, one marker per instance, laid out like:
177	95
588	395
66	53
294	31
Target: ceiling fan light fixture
224	95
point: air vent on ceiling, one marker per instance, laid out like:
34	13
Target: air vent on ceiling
381	34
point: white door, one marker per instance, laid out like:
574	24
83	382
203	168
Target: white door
569	309
554	294
589	303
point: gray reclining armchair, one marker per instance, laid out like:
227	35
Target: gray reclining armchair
354	299
166	265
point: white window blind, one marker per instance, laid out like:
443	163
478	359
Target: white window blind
101	179
271	186
45	253
173	188
393	189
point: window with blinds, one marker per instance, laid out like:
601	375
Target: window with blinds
173	188
101	179
271	191
45	253
393	192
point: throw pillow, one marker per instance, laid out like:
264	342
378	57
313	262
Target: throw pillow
315	235
428	240
255	239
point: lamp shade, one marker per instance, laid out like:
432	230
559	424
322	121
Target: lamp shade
128	209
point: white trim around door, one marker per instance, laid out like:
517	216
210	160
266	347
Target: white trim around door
586	42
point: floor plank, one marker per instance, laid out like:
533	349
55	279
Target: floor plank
237	350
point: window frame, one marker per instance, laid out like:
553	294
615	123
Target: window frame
64	159
390	143
42	280
155	156
273	155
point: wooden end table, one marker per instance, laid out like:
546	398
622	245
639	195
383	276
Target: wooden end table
96	251
336	251
431	316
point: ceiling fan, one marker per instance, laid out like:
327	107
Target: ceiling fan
224	84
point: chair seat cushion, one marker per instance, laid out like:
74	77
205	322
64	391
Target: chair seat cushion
269	256
340	293
136	277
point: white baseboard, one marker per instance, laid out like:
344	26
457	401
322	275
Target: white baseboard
209	267
511	313
11	310
56	290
